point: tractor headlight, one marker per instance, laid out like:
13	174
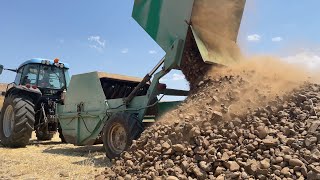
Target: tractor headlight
47	62
43	62
61	65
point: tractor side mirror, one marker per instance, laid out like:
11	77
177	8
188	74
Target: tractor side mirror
1	68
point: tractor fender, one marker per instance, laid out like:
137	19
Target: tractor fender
32	93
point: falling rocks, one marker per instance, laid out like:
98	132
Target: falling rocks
268	141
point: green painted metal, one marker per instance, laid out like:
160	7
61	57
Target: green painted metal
164	107
84	109
163	20
167	22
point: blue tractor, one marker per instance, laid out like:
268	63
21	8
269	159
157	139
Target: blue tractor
31	100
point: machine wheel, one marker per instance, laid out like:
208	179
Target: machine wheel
63	140
119	132
16	121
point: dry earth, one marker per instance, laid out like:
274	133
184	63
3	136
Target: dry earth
52	160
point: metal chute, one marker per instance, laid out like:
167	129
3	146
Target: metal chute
214	24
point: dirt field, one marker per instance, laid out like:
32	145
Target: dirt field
52	160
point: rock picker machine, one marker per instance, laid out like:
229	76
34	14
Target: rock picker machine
113	108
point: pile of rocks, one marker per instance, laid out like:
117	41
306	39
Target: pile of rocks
263	137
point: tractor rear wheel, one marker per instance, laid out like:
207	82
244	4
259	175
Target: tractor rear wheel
16	121
118	133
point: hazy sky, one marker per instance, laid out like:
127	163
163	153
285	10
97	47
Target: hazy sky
101	35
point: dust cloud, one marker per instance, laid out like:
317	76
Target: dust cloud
246	83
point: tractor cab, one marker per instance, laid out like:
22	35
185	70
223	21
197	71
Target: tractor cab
49	76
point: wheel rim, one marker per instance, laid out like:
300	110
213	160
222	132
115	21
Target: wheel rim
117	138
8	121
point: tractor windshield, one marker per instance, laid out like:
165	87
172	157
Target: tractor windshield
51	77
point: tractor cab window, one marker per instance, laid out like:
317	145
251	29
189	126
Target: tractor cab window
51	77
18	76
30	74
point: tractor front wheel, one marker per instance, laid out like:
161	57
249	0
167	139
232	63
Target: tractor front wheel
118	133
16	121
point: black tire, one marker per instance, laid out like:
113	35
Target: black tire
63	140
120	122
22	124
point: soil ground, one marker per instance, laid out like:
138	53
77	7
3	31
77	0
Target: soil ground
52	160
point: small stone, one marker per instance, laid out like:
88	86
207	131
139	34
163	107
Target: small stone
178	170
314	126
287	157
129	163
304	171
219	170
252	167
199	173
261	132
265	164
279	160
172	178
126	156
204	166
295	162
178	148
194	132
232	166
217	114
251	147
286	171
221	177
185	165
166	145
310	141
270	142
225	156
127	177
244	175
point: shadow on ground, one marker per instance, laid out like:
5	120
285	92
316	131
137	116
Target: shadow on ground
44	143
74	150
94	155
